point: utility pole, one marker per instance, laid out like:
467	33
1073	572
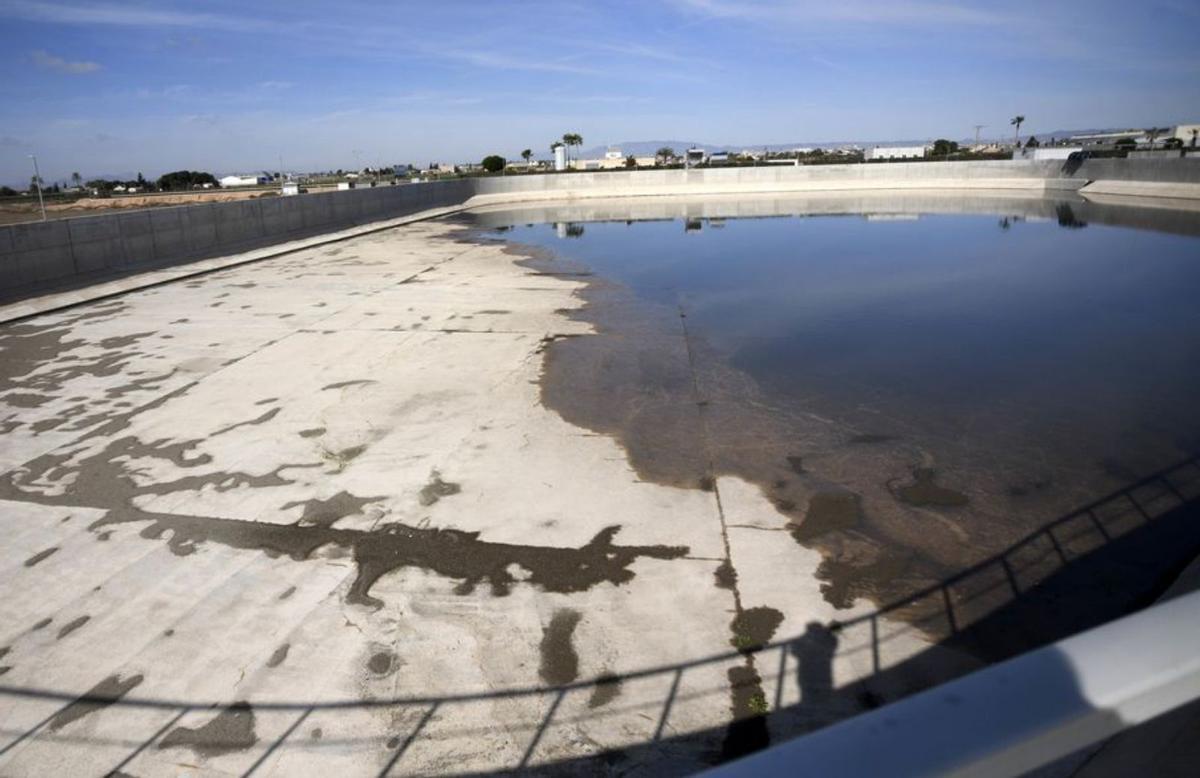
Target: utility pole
978	127
37	180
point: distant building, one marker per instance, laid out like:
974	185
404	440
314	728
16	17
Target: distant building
560	157
1050	152
718	158
694	157
344	186
895	152
1107	139
614	154
229	181
1189	134
290	188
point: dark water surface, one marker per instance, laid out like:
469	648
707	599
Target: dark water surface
1087	336
917	382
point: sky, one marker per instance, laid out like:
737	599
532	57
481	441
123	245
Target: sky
119	87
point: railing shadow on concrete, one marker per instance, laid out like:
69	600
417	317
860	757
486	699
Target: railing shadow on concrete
1100	561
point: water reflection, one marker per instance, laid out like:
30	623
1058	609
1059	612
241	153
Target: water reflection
914	316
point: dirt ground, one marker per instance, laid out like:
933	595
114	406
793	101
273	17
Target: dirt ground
15	213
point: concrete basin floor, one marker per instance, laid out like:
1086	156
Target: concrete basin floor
320	493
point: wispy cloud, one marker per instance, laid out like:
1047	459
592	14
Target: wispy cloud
503	61
50	62
124	16
909	12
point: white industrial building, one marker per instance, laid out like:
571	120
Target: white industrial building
229	181
895	152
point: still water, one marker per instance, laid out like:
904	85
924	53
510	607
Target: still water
1032	329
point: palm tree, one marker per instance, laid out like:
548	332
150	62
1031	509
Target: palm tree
1017	121
665	154
527	155
77	180
572	139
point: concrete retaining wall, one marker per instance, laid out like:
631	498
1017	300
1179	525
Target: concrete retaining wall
75	252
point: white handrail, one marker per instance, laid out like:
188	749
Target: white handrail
1017	715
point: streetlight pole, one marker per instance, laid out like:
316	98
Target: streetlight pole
37	181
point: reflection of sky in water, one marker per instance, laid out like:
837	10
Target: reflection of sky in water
951	312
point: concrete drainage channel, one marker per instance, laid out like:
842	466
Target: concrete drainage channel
95	256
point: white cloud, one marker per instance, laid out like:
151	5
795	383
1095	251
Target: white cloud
50	62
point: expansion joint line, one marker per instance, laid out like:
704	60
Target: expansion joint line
709	461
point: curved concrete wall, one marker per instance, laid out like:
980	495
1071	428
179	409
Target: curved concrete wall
77	251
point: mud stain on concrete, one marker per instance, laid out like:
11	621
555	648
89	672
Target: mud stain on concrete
231	730
39	556
753	628
382	662
327	512
559	661
344	384
828	512
312	433
73	625
263	419
607	689
925	492
42	624
436	489
279	655
726	575
287	593
99	697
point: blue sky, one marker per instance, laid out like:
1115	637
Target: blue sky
225	86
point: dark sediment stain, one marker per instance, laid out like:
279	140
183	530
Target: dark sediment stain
312	433
39	556
325	513
796	463
316	734
451	553
106	478
828	512
726	575
607	689
381	662
344	384
73	625
494	311
924	492
231	730
871	437
99	697
278	655
4	651
25	399
753	628
747	732
393	742
288	593
42	624
263	419
436	489
559	663
4	669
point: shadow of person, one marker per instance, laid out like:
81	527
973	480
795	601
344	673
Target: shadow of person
814	652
